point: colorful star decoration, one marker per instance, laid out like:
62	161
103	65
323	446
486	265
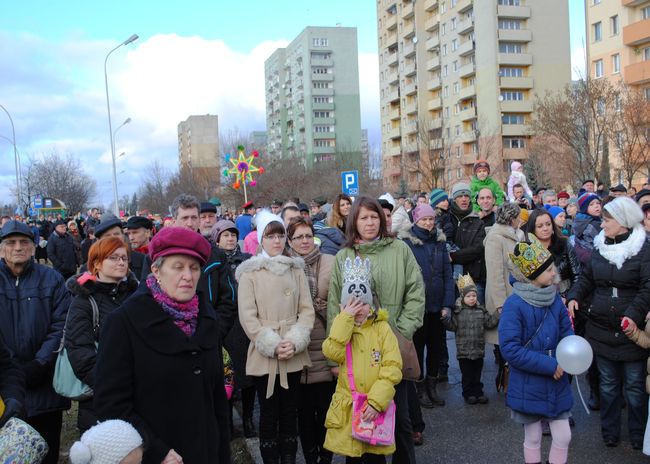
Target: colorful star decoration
243	168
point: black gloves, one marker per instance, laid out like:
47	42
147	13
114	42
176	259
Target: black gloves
13	408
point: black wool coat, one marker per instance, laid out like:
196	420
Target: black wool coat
168	385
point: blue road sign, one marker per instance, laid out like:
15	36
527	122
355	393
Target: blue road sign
38	202
350	182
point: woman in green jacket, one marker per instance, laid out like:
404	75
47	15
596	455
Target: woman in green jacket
399	289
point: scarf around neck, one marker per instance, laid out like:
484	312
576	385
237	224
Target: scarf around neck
184	315
535	296
618	253
312	260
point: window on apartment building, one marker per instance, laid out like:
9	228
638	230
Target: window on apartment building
444	49
645	12
597	31
454	22
506	71
445	71
614	25
319	42
453	3
447	115
323	129
646	91
321	70
510	24
456	88
509	2
445	91
454	66
448	174
646	54
443	7
323	114
448	131
321	85
510	47
457	152
457	130
616	63
595	2
598	68
324	143
512	95
443	28
458	173
510	118
456	108
454	45
328	99
514	142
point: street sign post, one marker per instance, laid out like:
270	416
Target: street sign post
350	182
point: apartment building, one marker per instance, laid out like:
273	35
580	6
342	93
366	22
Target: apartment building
458	80
198	143
312	97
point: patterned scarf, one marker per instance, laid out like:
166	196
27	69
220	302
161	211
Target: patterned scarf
185	315
311	269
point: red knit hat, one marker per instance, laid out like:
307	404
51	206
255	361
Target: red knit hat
563	194
179	241
481	164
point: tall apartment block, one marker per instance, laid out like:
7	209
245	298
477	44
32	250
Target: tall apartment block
198	144
618	41
458	80
312	97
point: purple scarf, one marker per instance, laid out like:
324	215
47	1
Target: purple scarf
184	314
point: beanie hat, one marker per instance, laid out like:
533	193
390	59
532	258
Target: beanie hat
507	212
626	212
554	211
106	443
389	198
263	219
531	258
515	166
563	194
481	164
459	189
222	226
436	196
524	214
59	222
422	211
465	284
585	199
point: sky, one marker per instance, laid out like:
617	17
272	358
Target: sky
192	57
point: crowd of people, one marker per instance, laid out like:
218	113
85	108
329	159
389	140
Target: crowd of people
332	317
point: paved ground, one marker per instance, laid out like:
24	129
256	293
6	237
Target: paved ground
485	434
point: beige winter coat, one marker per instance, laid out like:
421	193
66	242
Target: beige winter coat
642	338
274	305
499	241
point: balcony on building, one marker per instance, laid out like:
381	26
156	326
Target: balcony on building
323	135
436	144
324	121
516	12
409	49
391	22
632	2
321	62
511	130
435	123
464	5
391	59
324	150
432	43
407	10
467	70
515	35
322	106
514	153
433	84
394	133
391	39
517	106
637	33
466	48
430	5
434	104
467	114
433	63
467	92
409	69
410	127
411	108
394	114
517	59
638	73
392	76
516	82
394	150
432	23
468	136
466	26
392	95
410	89
323	77
322	92
469	158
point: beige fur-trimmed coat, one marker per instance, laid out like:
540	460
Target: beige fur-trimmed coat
275	305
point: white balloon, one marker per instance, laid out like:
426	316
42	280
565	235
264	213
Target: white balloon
574	354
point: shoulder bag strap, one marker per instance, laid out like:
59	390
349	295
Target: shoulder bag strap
95	309
538	329
348	361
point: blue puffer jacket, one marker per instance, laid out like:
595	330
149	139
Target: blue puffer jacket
331	240
430	251
531	388
33	309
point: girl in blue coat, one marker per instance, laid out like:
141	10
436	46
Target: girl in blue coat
533	322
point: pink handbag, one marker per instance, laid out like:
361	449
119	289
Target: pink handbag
379	432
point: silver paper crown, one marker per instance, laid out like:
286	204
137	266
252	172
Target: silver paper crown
357	270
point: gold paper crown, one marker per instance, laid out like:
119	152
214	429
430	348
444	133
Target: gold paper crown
530	257
465	283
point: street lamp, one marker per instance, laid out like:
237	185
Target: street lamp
133	38
13	142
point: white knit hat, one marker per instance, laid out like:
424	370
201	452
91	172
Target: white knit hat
626	212
263	219
106	443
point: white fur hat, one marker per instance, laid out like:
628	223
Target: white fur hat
106	443
626	212
263	219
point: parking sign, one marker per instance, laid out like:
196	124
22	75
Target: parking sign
350	182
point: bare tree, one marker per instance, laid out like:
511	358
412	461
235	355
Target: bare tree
428	161
153	192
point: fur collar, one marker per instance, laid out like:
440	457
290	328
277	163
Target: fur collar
278	265
406	233
619	253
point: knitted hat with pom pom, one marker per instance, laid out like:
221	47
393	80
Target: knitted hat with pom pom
106	443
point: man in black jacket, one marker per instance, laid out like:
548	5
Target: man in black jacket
33	307
217	283
12	385
61	251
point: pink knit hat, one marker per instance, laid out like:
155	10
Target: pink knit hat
422	211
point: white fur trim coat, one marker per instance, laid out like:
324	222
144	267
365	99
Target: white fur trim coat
275	305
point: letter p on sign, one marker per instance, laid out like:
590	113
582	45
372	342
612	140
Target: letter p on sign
350	182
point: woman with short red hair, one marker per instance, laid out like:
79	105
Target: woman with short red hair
108	282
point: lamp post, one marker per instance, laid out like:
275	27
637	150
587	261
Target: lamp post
13	142
133	38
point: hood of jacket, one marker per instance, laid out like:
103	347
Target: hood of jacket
89	286
278	264
505	231
419	236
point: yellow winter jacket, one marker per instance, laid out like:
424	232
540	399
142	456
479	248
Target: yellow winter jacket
377	369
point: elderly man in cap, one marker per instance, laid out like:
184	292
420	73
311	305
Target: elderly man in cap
276	206
139	263
643	197
61	250
244	222
138	229
207	218
618	191
34	303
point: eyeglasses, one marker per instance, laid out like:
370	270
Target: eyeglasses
299	238
275	237
115	259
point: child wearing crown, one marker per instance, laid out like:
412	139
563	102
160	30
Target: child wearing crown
469	321
376	365
533	322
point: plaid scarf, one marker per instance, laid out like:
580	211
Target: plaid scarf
312	261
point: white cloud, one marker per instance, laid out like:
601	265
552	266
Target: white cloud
578	63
